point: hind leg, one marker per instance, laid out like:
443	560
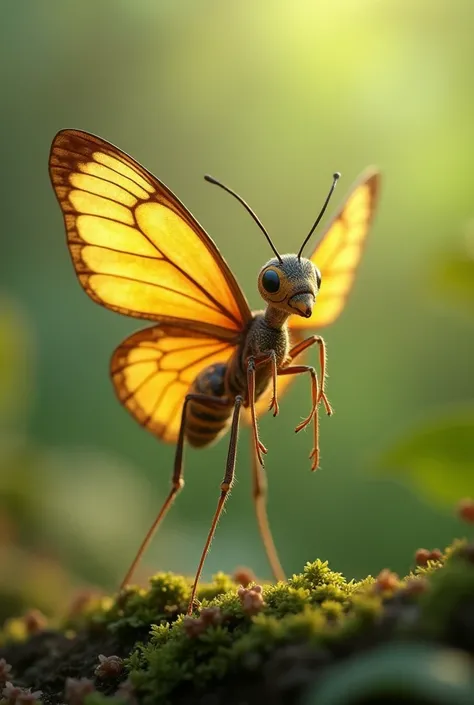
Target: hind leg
177	481
259	493
226	486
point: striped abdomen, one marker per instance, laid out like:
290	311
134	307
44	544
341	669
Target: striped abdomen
204	424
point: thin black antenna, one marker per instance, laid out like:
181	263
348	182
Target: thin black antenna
336	177
248	209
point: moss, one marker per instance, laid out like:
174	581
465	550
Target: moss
101	699
292	632
447	609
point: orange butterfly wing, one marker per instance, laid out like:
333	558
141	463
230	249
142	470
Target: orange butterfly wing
153	369
136	249
337	257
338	254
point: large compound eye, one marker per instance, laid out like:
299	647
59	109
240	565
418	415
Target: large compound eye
271	281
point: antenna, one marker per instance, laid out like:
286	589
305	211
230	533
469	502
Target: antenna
248	209
336	177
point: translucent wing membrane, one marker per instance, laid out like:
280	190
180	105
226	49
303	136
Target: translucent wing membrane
339	252
153	370
337	257
135	247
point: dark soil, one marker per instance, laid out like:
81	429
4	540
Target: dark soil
46	660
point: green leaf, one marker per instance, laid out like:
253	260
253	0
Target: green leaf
437	457
399	673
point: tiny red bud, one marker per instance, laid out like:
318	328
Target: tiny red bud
109	666
466	510
244	576
35	622
386	580
422	556
251	599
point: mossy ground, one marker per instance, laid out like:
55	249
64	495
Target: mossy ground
265	649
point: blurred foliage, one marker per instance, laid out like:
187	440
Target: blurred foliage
437	455
452	273
272	98
16	359
399	674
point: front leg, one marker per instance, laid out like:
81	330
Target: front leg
301	347
253	362
313	415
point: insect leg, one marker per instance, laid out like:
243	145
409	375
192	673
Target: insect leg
304	345
313	415
226	486
252	363
177	481
259	492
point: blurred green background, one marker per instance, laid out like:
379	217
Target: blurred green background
270	97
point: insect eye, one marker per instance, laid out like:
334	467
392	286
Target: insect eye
271	281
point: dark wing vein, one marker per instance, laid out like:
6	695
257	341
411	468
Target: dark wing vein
90	272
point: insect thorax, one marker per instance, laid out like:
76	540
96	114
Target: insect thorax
259	338
229	379
205	424
262	337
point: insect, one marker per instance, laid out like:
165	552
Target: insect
207	359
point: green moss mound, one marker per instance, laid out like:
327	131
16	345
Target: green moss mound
316	639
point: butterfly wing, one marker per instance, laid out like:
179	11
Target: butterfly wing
337	257
153	370
338	254
136	249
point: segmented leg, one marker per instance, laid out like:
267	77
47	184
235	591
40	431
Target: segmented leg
304	345
313	415
177	481
259	493
226	486
253	362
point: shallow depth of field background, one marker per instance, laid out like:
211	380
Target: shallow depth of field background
270	97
